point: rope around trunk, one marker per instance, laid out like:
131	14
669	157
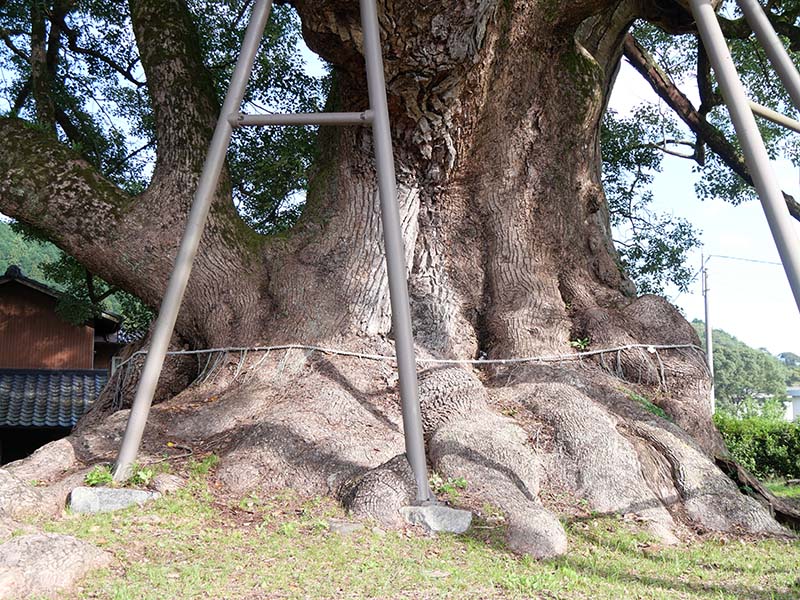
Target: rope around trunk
216	357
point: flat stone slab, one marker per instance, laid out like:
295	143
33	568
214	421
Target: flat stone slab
105	499
42	564
438	518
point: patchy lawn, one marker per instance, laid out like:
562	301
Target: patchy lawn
779	488
192	544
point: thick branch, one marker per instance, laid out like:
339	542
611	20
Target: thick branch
128	243
41	78
184	103
666	89
46	185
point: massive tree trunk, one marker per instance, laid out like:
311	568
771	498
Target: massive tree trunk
496	109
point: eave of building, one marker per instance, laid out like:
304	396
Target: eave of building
113	321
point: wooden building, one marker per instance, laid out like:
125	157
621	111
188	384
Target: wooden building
50	369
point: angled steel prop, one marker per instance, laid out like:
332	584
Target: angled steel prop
378	117
755	154
170	305
395	255
776	52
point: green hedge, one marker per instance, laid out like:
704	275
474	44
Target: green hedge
765	447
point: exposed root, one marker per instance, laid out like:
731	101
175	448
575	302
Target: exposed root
784	512
681	374
334	427
605	464
381	492
491	452
710	498
312	430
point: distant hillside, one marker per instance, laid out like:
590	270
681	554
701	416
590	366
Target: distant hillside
747	380
28	255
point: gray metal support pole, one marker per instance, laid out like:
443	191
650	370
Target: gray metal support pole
176	287
395	255
244	120
775	117
776	52
755	153
709	336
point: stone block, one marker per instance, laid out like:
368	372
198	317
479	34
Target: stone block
437	517
105	499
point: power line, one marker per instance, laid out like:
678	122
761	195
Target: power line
750	260
693	278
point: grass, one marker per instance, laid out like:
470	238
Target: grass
193	544
779	488
649	406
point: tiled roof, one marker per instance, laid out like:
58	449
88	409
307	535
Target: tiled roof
47	398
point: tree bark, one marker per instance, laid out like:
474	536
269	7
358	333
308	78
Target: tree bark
495	108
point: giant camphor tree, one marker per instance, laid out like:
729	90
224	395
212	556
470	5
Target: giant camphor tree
496	109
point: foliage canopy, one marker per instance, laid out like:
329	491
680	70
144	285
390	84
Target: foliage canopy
74	69
748	382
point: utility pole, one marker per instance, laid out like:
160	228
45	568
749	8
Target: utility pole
709	332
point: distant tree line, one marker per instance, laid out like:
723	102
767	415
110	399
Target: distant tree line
750	382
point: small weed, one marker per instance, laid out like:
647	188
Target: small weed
289	528
492	514
250	502
202	467
580	343
449	487
141	477
656	410
99	475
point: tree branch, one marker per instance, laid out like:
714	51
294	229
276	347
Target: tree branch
48	186
72	44
5	35
54	36
129	242
184	102
115	167
666	89
95	299
41	78
19	101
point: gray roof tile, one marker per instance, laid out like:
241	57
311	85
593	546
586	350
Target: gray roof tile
47	398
